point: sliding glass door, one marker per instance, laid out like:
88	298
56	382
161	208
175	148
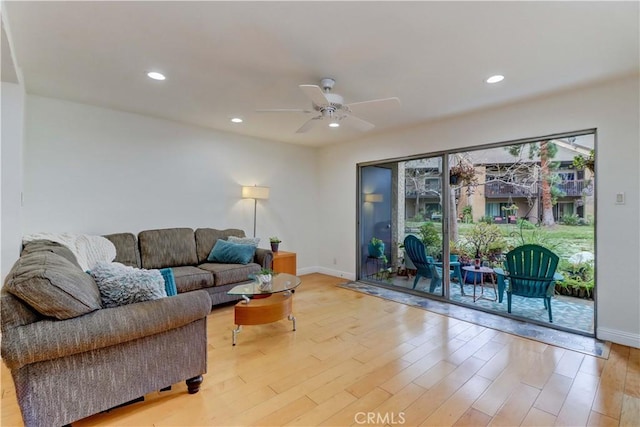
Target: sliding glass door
476	205
376	231
396	200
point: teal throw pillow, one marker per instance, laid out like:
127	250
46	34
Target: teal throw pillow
231	253
169	281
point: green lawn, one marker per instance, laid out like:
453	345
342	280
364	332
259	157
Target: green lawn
565	240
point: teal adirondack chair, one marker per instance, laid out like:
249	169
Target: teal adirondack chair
425	265
531	273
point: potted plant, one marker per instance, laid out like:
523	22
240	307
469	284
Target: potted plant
264	278
376	248
484	239
462	173
589	162
456	251
275	241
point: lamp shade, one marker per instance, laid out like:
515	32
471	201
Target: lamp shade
255	192
373	198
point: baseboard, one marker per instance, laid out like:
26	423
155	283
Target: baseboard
618	337
327	271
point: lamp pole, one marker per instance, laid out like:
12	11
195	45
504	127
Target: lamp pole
255	193
255	210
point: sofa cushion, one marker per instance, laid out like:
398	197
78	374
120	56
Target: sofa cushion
88	249
191	278
171	247
127	251
53	286
207	237
231	253
49	246
255	241
120	284
225	274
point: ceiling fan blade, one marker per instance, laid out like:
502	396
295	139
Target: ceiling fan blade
315	94
373	106
357	123
308	124
283	110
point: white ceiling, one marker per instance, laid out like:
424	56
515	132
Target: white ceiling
225	59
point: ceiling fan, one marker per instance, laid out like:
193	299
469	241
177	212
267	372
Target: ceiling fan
331	107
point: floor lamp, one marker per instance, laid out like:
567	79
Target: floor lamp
255	193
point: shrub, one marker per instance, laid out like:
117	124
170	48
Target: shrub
578	278
570	219
467	214
525	224
431	238
487	219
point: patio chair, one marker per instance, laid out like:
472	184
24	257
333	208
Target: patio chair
426	266
530	273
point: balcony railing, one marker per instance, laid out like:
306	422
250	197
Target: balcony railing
497	189
428	193
572	188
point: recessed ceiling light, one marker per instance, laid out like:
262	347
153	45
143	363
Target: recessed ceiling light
155	75
236	120
334	125
495	79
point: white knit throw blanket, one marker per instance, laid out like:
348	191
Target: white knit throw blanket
87	249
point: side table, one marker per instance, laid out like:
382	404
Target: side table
284	262
480	272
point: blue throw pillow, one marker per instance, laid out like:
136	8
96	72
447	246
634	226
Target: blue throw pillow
231	253
169	281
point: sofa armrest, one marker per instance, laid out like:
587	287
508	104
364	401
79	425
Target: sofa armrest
264	257
50	339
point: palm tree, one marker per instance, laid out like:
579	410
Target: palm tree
547	152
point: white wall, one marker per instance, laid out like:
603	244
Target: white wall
613	108
11	154
99	171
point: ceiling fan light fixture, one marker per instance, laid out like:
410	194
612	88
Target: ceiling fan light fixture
495	79
155	75
332	109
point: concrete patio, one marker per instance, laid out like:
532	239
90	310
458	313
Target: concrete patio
568	312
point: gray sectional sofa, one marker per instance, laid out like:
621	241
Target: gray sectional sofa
185	251
71	358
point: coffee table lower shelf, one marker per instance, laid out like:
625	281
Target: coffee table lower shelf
260	311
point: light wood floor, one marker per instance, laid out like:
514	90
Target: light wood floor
360	360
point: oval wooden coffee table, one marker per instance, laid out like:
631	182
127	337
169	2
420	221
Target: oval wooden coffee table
259	307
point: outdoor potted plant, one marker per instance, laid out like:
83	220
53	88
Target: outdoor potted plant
456	251
275	241
484	239
376	248
589	162
462	173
